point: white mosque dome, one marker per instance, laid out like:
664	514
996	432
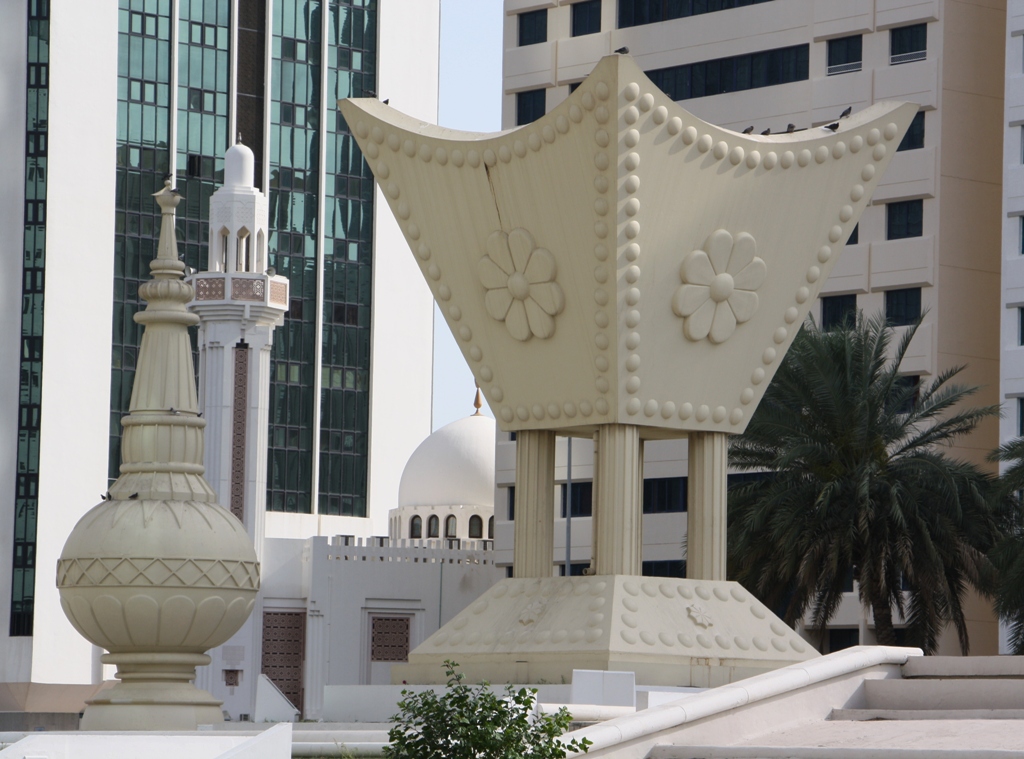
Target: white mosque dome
239	166
453	466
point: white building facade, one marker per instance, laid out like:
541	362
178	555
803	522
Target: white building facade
930	239
99	104
1011	384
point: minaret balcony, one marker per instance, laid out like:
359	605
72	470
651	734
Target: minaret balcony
240	288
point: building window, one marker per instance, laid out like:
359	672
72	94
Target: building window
416	528
533	27
1020	417
530	106
914	138
433	527
389	639
1020	229
842	637
586	18
740	72
907	386
576	568
664	568
573	86
854	237
838	311
845	54
450	527
582	499
903	307
476	527
904	219
639	12
490	528
908	44
511	503
664	495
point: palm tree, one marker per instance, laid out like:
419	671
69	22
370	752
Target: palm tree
858	481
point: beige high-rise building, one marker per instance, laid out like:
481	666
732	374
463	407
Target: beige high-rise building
930	239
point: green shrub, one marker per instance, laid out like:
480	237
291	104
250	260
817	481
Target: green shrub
468	723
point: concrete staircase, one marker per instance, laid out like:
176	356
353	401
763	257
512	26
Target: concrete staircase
946	687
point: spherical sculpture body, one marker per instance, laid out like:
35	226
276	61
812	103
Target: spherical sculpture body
167	576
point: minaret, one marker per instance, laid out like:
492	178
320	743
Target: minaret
239	302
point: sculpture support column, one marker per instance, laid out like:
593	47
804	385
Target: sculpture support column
618	495
533	552
707	497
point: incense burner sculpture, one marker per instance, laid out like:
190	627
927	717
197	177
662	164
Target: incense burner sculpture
622	270
158	572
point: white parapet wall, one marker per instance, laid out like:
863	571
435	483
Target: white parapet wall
275	743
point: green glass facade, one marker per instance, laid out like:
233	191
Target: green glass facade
31	370
311	152
143	153
204	72
295	123
348	230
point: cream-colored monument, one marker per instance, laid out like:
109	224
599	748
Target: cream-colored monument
622	270
158	572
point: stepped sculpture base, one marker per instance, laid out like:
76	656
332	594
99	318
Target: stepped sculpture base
156	692
668	631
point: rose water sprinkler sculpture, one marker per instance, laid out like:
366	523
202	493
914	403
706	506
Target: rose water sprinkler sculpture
159	572
623	270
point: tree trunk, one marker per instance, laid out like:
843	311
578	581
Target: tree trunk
884	632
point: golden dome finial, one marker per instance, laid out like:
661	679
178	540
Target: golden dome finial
478	402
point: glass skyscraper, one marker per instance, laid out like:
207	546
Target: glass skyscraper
103	103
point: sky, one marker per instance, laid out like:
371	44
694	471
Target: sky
469	99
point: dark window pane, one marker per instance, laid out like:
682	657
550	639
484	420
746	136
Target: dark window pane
533	27
908	39
576	568
638	12
586	18
854	237
845	54
837	310
905	393
904	219
476	527
842	637
903	307
530	106
416	528
582	499
664	568
433	527
740	72
664	495
914	138
511	502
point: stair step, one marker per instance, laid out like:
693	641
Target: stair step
865	715
943	694
964	666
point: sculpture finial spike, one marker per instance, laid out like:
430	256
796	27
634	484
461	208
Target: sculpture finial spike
478	402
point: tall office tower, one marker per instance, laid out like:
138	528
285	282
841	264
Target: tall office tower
1011	385
100	102
930	242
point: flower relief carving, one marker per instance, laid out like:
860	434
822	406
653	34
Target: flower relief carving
719	286
520	281
699	615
